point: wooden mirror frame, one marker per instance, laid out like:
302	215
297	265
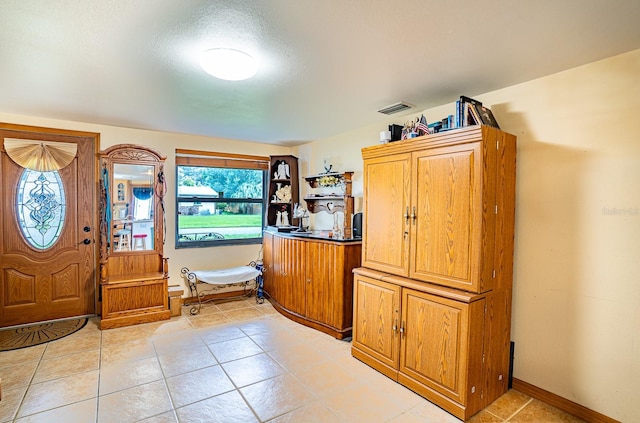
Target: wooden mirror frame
130	154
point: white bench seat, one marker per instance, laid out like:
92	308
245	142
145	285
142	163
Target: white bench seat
246	276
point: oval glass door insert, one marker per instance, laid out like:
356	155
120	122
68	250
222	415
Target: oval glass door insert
40	207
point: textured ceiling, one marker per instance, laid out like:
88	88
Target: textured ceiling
327	66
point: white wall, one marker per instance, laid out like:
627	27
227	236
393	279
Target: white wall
576	304
166	143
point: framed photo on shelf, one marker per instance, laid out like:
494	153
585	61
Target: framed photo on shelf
483	115
473	117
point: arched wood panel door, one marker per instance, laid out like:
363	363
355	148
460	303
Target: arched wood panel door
47	228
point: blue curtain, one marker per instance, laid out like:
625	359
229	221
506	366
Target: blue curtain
143	193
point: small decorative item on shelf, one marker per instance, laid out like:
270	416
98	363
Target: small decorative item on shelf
385	137
337	232
282	217
282	171
283	194
300	213
327	166
415	128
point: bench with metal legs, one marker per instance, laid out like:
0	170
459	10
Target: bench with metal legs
249	277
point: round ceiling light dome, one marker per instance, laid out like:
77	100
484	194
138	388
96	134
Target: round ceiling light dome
228	64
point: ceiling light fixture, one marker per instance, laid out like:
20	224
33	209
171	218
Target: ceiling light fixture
228	64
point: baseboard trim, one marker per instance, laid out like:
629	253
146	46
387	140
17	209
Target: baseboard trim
561	403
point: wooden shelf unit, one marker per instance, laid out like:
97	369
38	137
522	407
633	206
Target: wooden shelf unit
335	201
274	205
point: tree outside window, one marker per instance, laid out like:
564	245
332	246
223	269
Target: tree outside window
219	205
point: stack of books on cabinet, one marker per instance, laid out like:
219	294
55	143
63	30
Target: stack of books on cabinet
468	112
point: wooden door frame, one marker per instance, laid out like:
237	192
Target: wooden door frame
95	218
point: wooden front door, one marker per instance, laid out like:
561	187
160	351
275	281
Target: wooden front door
47	232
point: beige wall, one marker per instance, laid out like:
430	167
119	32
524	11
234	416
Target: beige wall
576	304
166	143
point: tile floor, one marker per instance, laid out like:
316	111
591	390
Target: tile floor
235	362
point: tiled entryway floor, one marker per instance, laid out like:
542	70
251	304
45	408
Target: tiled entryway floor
235	362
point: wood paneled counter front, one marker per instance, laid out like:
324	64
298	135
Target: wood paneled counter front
310	280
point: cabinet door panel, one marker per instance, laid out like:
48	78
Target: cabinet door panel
322	271
385	228
267	254
376	319
276	269
280	285
434	346
446	232
293	279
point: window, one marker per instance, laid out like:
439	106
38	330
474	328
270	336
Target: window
220	198
143	196
41	207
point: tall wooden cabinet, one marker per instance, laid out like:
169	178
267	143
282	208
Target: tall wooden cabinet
310	280
433	297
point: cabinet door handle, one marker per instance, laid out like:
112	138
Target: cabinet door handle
395	326
413	214
402	329
406	216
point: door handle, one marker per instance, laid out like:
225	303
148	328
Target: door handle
86	229
86	241
406	216
413	214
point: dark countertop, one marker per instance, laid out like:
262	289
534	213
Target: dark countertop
320	235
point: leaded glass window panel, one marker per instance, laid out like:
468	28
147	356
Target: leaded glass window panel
41	207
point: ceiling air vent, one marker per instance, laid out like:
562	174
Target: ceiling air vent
395	108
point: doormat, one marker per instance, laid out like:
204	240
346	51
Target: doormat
40	333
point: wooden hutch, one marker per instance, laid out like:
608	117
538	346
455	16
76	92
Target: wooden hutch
133	269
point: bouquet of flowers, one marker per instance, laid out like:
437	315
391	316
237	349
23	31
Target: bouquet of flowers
328	181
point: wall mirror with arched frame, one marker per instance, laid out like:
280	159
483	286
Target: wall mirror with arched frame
132	212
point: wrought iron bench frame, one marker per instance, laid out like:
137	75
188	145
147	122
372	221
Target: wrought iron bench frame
249	287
